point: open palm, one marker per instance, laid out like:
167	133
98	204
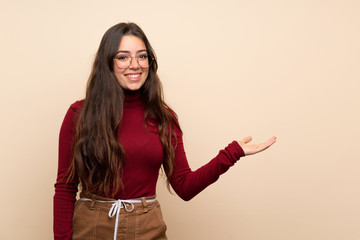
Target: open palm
250	149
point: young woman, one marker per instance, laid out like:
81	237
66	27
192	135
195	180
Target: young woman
114	142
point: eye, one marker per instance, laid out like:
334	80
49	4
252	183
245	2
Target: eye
122	57
143	56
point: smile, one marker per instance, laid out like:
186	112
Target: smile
133	76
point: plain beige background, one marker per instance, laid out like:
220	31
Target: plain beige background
229	69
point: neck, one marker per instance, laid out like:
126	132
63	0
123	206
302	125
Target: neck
132	98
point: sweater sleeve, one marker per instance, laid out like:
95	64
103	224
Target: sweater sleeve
187	183
65	191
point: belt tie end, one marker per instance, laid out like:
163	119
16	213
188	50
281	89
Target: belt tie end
115	211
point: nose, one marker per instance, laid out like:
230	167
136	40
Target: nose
134	63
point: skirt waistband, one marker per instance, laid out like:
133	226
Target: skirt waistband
97	197
117	205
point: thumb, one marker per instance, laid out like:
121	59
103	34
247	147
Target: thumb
246	139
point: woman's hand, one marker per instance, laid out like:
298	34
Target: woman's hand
250	149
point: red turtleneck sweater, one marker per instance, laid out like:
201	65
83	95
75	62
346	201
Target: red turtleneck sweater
144	157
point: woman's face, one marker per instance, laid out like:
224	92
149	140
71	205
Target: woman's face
133	76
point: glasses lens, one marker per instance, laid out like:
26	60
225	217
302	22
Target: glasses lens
144	60
122	60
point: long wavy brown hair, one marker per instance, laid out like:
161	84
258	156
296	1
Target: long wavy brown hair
98	156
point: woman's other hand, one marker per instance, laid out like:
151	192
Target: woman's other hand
250	149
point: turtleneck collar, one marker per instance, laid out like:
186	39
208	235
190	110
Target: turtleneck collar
132	98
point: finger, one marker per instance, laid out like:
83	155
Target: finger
271	141
267	144
246	139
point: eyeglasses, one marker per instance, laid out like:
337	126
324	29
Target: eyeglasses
124	60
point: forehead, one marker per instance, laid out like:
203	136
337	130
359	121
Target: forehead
131	43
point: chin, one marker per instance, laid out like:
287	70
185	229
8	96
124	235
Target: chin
133	87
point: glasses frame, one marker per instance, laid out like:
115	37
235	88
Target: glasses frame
151	59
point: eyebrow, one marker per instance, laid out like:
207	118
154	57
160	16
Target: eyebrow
143	50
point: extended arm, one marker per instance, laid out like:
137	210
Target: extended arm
188	183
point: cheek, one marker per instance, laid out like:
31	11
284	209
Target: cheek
115	68
145	74
120	78
117	73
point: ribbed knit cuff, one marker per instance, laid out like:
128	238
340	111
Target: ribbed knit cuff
237	150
